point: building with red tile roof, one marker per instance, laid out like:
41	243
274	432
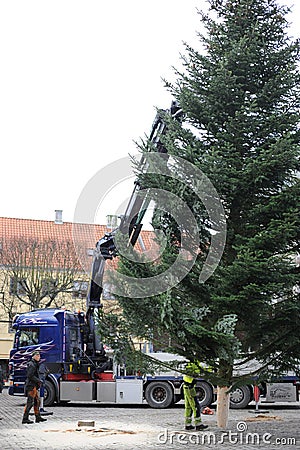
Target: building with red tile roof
79	239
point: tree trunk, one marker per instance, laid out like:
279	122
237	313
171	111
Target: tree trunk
222	406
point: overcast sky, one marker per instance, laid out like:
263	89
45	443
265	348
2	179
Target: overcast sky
79	82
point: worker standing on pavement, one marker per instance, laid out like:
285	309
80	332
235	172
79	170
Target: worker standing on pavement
191	405
43	372
32	385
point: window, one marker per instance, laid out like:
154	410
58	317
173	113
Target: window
49	286
11	315
73	343
17	287
28	336
80	289
106	294
73	334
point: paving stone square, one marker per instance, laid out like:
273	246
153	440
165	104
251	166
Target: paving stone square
141	427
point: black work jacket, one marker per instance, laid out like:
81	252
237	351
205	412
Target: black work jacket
32	379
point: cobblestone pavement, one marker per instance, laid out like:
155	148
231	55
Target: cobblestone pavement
140	427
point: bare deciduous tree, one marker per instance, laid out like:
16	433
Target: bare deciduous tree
8	304
37	271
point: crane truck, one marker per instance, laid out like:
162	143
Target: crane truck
79	368
78	363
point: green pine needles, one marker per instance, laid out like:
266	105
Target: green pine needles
239	91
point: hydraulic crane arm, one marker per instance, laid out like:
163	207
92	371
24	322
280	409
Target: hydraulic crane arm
131	224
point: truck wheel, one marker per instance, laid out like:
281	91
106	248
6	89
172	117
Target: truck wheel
205	393
240	397
50	394
159	395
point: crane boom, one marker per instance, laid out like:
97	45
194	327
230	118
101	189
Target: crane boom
130	224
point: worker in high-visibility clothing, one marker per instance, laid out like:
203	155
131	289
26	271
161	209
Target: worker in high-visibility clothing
191	405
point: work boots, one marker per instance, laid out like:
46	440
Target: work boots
39	418
25	418
189	427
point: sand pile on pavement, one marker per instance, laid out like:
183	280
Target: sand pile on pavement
104	435
262	418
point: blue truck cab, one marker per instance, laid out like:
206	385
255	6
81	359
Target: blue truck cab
56	333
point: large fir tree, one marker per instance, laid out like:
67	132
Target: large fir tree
239	92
